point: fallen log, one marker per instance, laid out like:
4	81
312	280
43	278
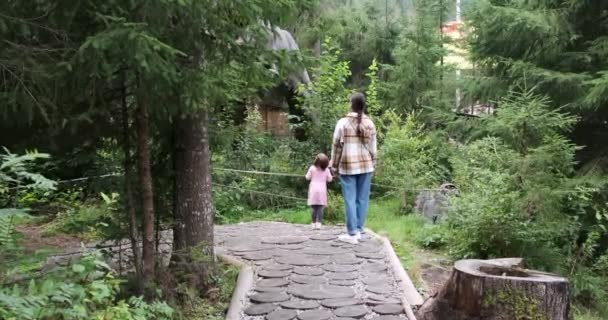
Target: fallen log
498	289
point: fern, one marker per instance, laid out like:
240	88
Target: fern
7	231
15	170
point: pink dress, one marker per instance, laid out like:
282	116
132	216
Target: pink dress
317	191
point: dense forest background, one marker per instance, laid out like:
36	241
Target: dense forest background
121	119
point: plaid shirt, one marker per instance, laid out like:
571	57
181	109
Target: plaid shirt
354	154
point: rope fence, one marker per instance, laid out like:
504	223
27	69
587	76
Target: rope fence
267	173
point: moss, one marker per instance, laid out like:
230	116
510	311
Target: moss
514	302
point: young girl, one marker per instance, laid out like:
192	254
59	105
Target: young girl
319	175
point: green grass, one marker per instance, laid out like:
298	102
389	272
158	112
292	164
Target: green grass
584	314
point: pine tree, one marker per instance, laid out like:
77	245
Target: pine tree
415	79
559	47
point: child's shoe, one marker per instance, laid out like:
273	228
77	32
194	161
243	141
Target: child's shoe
358	236
318	225
348	238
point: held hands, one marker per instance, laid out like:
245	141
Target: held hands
332	169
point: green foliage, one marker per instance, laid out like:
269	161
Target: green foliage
334	212
414	81
15	171
93	219
326	98
553	45
518	196
214	306
363	32
83	290
409	158
8	241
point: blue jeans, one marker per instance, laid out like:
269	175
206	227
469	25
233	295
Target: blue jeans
355	190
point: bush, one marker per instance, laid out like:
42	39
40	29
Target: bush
86	289
92	219
334	212
519	196
409	159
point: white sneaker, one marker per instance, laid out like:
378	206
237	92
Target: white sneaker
318	225
358	236
348	238
313	225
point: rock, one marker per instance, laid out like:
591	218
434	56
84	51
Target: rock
260	309
296	246
324	251
308	271
342	302
370	255
344	283
374	279
300	304
339	268
346	260
307	279
282	314
274	282
269	289
366	249
342	276
351	311
388	309
374	267
280	267
303	260
259	255
273	273
320	292
325	237
267	297
284	240
315	315
379	289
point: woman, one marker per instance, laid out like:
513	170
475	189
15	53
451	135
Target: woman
353	155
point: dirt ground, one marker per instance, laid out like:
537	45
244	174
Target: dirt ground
34	239
432	272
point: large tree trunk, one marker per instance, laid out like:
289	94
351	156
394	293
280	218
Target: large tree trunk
498	290
193	181
129	202
179	226
145	180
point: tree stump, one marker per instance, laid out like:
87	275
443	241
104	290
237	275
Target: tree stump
498	289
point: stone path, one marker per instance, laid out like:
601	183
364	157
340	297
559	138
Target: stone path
307	274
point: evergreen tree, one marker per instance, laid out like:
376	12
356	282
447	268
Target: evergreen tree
559	47
416	78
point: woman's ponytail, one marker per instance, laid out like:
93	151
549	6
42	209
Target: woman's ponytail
357	104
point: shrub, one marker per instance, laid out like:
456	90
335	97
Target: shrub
93	219
86	289
334	212
409	159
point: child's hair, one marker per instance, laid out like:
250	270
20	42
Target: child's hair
321	161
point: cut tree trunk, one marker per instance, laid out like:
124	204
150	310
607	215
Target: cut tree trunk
498	290
193	181
130	203
147	195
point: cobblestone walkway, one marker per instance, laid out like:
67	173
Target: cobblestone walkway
308	274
